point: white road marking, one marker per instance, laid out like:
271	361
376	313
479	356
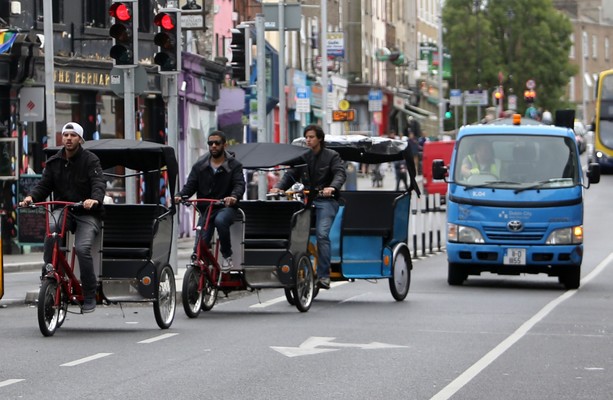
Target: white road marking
86	359
497	351
161	337
313	346
282	298
10	382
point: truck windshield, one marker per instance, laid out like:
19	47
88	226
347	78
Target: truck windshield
517	162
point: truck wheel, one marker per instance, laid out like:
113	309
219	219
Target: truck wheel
455	275
571	279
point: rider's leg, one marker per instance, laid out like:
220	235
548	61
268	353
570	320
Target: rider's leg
88	227
325	211
224	218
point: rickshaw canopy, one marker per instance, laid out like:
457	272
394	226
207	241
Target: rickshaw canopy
267	155
138	155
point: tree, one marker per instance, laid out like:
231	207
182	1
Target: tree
521	39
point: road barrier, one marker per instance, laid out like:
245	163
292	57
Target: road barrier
426	226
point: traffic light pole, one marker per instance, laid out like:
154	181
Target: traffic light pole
172	105
129	127
263	135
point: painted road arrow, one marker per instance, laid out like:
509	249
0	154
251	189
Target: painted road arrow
312	346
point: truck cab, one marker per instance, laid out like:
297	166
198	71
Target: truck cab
515	202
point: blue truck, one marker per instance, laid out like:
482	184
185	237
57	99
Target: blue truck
515	201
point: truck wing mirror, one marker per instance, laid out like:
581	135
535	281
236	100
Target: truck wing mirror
439	170
593	173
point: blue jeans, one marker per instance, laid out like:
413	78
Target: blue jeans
221	219
325	211
87	228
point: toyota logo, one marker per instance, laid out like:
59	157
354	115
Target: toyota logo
515	226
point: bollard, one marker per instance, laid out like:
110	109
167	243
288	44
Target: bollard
438	211
422	205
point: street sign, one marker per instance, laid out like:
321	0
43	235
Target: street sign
375	100
192	20
303	100
336	44
343	115
455	97
512	102
140	80
530	84
475	97
292	15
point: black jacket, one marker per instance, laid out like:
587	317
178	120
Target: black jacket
75	179
324	169
227	181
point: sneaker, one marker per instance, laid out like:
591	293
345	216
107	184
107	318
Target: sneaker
89	305
226	264
323	283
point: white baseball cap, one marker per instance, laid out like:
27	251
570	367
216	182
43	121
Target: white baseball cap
74	127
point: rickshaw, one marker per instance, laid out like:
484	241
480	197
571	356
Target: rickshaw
369	236
131	255
269	241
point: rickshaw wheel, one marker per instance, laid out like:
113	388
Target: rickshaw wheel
48	313
63	312
302	292
400	281
289	295
192	299
164	306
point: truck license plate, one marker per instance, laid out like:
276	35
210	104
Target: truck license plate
515	257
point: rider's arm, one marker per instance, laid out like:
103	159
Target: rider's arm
337	168
98	183
238	180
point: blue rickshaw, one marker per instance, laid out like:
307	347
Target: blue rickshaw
369	236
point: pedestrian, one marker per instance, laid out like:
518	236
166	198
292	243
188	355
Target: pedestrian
74	174
323	175
415	148
400	169
216	175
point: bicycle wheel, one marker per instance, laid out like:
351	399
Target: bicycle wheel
400	281
289	296
191	297
305	283
164	306
48	312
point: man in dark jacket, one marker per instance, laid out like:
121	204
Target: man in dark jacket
323	175
74	174
217	175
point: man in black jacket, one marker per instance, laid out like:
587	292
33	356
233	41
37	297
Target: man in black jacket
74	174
323	175
217	175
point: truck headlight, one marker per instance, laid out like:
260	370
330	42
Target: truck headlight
463	234
573	235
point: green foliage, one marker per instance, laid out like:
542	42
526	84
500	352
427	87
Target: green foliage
522	39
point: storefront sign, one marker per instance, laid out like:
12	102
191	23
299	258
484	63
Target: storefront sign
81	78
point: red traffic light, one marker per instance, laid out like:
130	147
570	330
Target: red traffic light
120	12
164	21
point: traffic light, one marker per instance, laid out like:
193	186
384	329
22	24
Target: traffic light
124	32
529	96
240	58
448	112
168	39
498	95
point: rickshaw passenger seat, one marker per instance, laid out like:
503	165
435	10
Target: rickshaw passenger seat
368	213
129	230
268	224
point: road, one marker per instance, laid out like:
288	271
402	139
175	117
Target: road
495	337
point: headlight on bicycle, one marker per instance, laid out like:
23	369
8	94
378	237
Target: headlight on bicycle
463	234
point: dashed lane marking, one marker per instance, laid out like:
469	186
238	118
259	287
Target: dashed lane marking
86	359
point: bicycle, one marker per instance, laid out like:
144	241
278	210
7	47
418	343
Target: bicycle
199	293
60	286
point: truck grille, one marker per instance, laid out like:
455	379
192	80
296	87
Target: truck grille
528	234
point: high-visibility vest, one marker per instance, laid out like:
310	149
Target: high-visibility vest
475	165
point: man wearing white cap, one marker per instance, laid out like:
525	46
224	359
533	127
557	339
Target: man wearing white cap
74	174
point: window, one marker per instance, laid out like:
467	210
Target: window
594	46
572	46
57	10
607	49
96	13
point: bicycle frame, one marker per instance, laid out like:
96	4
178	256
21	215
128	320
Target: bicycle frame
63	270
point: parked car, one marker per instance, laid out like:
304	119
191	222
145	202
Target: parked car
580	136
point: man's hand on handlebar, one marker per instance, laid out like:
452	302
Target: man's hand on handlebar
327	191
90	203
26	201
